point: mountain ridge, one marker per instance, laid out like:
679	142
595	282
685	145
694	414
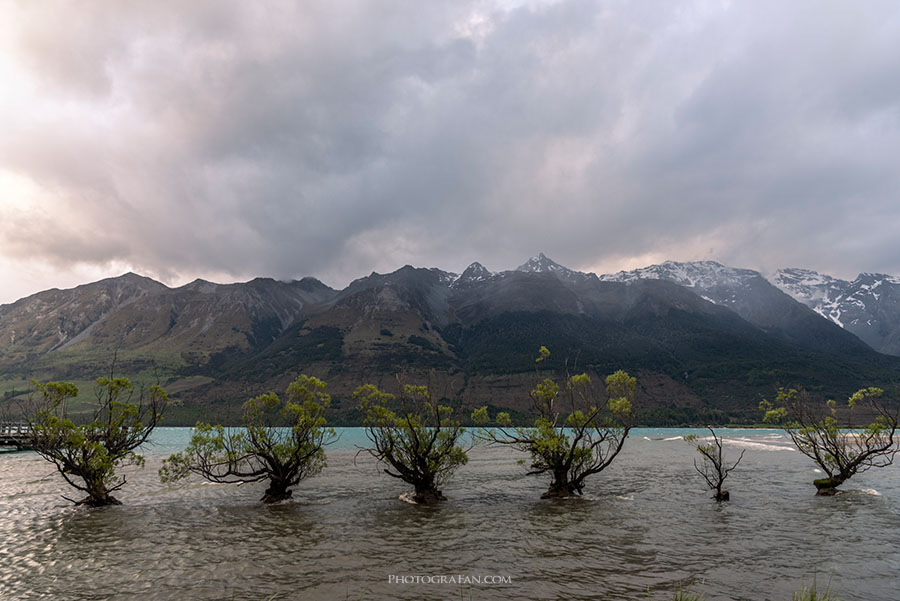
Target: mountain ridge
703	333
868	306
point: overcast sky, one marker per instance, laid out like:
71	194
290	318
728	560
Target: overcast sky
227	140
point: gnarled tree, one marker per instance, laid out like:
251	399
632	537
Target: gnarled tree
713	467
577	432
416	437
840	449
87	454
281	441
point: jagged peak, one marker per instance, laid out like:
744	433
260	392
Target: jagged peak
544	264
474	273
541	263
476	269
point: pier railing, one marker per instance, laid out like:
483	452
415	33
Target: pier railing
15	434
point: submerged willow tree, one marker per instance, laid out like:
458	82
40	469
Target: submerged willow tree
87	454
839	449
416	437
713	467
577	432
281	441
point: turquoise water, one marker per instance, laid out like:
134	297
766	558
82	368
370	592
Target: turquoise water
174	439
646	523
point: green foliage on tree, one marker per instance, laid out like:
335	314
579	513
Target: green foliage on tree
577	433
416	436
88	454
713	468
282	441
837	445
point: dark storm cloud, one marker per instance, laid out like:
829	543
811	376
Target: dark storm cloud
331	138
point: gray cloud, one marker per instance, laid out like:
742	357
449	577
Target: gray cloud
326	138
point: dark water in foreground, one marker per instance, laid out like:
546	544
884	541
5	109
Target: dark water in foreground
646	524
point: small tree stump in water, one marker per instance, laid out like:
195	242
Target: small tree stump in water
428	497
826	487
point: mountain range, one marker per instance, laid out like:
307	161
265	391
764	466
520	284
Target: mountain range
700	336
869	306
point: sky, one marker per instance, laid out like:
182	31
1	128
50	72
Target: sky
228	140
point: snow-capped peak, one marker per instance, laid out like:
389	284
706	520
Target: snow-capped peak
478	270
474	273
544	264
822	293
877	278
541	264
805	284
695	274
864	306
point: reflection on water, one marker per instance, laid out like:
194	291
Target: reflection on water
646	523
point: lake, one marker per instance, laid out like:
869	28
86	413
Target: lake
646	524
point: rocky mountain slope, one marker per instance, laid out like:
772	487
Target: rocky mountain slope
55	319
138	315
869	306
485	326
698	335
750	295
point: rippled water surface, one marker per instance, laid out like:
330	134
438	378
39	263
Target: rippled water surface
646	523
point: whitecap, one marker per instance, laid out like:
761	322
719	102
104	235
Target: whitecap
407	497
759	446
869	491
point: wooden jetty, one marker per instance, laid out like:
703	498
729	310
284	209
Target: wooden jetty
15	434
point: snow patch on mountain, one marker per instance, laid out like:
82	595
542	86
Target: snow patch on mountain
543	264
868	306
701	276
822	293
473	274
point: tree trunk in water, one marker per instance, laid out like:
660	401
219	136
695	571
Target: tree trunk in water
277	491
827	487
98	496
428	495
99	500
722	495
561	488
